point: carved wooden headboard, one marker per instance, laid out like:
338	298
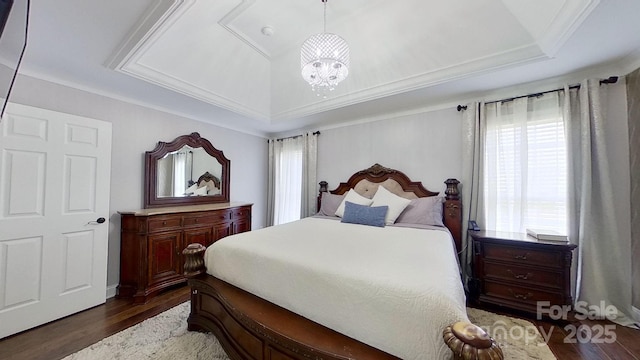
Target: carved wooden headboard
207	176
367	181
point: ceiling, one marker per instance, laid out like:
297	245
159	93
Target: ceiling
210	61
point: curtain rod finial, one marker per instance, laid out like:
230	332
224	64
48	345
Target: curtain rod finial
462	107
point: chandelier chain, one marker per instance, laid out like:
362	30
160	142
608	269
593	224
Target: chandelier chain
325	16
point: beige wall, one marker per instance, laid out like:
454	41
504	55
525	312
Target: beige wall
633	105
137	129
426	146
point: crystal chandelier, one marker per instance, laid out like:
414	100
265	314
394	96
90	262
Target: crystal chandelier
324	59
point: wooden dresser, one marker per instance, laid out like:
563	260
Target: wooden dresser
152	240
517	271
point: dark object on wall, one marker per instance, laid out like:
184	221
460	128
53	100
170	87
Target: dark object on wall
12	46
5	9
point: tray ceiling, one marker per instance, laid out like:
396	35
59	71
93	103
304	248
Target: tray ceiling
216	51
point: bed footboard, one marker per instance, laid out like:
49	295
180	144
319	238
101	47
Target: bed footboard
249	327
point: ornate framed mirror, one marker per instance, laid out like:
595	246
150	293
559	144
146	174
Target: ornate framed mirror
186	171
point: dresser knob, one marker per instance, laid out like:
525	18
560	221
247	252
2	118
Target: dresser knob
164	223
520	296
520	276
521	257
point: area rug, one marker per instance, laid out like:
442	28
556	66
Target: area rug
165	337
162	337
518	338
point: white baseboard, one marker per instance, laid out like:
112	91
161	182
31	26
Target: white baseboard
111	291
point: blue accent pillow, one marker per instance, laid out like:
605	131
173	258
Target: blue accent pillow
364	215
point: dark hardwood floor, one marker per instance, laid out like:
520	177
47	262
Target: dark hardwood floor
624	344
63	337
583	339
66	336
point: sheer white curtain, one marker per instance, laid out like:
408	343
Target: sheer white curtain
309	178
525	162
179	173
473	137
604	252
292	178
288	181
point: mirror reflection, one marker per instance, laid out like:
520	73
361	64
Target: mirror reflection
188	172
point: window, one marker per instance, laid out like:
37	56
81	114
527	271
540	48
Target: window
526	164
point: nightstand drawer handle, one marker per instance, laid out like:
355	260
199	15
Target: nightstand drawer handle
521	296
521	257
520	276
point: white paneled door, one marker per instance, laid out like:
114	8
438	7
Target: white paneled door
54	206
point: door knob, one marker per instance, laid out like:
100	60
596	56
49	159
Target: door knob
99	220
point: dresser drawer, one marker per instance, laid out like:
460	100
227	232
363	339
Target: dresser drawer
192	220
164	223
523	294
527	276
523	256
241	213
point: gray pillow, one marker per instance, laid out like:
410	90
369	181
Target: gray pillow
364	215
330	203
424	211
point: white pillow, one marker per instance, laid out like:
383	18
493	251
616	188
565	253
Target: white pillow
395	203
201	191
355	198
191	189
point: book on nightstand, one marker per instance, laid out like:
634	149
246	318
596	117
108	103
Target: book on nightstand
547	235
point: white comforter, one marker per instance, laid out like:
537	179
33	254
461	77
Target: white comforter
393	288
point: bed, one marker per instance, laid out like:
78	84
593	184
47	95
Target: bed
342	290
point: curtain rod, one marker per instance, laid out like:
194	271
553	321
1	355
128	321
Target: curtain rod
609	80
295	136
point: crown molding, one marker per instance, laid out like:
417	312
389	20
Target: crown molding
173	83
564	24
157	18
474	67
39	76
630	63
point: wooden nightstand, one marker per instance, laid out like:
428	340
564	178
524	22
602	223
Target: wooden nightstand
517	271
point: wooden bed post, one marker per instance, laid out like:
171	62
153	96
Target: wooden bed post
194	260
453	211
469	342
323	189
